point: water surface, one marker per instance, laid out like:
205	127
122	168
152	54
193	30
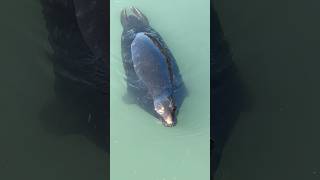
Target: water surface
28	149
275	44
141	148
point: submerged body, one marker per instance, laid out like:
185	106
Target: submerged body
153	78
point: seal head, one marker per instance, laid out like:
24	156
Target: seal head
165	108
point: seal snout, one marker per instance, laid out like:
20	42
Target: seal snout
164	107
132	17
169	120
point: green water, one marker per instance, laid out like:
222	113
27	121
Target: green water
276	48
28	150
141	148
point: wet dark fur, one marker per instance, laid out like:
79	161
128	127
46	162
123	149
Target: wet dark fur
137	90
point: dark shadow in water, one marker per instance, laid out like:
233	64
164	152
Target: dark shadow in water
75	110
80	77
229	96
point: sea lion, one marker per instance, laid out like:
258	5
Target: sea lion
153	77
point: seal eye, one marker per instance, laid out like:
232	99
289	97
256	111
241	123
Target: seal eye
172	106
159	109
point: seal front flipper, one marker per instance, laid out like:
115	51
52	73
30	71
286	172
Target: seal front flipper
128	99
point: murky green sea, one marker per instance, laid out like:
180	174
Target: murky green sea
141	148
275	45
276	48
27	101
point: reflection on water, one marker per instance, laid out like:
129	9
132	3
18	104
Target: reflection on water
28	101
141	147
275	48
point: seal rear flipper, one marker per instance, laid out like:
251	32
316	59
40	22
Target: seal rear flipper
186	92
